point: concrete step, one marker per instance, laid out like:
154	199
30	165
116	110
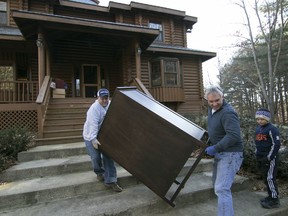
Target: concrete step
50	178
62	133
57	166
58	140
246	203
47	167
136	199
52	151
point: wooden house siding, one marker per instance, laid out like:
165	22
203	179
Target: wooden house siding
82	13
70	55
145	76
13	5
115	38
129	19
178	33
192	83
40	6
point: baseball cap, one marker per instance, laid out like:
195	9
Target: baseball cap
103	92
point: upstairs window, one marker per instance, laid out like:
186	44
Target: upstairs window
165	72
154	25
3	13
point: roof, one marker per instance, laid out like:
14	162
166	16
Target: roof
181	50
10	33
29	22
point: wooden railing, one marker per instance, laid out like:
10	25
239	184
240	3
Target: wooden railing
137	82
18	91
42	104
168	94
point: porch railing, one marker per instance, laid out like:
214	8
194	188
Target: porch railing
18	91
42	104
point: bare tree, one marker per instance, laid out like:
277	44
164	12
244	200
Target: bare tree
270	17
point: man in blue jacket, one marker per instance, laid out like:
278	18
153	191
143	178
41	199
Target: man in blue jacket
227	148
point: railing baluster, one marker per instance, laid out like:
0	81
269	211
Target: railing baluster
18	91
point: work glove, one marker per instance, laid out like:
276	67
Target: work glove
210	150
95	143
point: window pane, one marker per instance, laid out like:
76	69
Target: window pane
157	26
170	67
155	74
170	79
170	73
3	13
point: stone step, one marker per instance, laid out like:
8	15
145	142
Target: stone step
58	140
90	197
46	167
245	203
57	166
52	151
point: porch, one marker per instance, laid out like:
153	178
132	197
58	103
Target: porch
23	104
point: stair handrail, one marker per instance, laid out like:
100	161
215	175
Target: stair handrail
141	87
42	102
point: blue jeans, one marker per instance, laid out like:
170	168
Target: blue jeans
226	165
109	170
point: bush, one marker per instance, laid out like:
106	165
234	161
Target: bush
248	126
13	141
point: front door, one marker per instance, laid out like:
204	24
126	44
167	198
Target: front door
91	80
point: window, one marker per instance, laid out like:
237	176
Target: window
156	74
170	73
157	26
3	13
165	72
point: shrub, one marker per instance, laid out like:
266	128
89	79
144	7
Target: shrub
248	126
13	141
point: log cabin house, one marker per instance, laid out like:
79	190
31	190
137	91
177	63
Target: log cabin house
89	46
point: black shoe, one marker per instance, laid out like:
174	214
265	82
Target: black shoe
100	178
265	199
114	186
271	203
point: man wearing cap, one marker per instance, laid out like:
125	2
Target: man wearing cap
95	115
267	142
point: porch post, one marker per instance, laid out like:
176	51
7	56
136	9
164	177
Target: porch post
138	60
41	58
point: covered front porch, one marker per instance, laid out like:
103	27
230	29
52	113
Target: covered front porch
87	55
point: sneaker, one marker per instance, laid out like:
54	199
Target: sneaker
265	199
114	186
271	203
100	178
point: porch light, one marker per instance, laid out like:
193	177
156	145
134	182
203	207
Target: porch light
39	42
139	50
